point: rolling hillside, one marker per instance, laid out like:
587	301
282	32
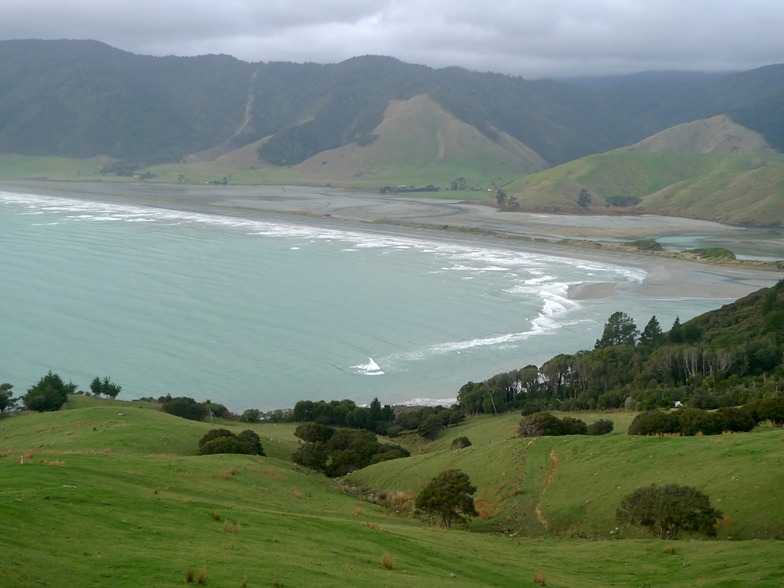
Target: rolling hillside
110	492
711	169
84	109
416	143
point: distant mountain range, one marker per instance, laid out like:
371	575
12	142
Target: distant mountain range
672	143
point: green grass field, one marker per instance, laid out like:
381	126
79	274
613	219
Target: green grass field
110	493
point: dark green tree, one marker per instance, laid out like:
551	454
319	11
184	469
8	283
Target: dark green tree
214	434
50	393
250	443
311	455
667	510
676	334
314	432
450	496
7	400
500	199
651	335
600	427
655	422
540	424
251	415
104	387
772	409
618	330
185	407
221	445
430	426
224	441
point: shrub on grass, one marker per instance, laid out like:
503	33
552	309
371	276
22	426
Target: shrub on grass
214	434
460	442
736	420
224	441
531	406
601	427
772	409
667	510
573	426
185	407
693	421
655	422
314	432
221	445
250	443
387	562
540	424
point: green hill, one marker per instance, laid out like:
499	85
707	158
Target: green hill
84	110
416	143
110	493
712	169
570	486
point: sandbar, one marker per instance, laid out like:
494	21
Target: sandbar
451	220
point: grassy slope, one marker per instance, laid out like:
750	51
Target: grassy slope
418	143
593	473
115	499
62	168
737	188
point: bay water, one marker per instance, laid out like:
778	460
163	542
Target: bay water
262	313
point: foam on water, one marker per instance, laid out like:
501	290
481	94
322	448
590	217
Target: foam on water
212	294
371	368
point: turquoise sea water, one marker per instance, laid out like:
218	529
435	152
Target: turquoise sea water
255	313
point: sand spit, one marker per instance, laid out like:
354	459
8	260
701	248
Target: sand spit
447	219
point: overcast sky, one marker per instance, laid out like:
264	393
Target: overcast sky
532	38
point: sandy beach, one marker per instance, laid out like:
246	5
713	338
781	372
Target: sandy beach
447	219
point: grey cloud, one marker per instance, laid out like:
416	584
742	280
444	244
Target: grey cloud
533	38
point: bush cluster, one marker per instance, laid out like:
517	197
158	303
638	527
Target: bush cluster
693	421
336	452
224	441
544	424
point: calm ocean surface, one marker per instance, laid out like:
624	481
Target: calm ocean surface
257	314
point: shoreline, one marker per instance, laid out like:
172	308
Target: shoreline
446	220
590	290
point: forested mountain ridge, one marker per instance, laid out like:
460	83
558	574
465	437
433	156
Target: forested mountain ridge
726	357
375	121
84	98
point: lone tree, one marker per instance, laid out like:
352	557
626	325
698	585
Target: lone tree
618	330
50	393
651	335
448	495
7	400
666	510
772	409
